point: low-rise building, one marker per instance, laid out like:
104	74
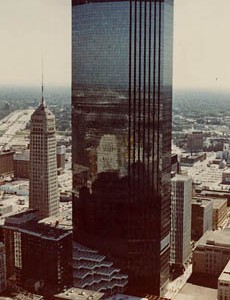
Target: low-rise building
38	255
6	163
212	252
189	160
224	284
22	164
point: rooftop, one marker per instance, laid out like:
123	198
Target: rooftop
225	275
79	294
204	201
218	202
195	292
219	238
201	201
26	222
128	297
181	177
42	110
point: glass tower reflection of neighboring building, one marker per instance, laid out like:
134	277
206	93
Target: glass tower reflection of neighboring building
121	122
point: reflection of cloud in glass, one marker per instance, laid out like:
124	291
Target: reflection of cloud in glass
102	45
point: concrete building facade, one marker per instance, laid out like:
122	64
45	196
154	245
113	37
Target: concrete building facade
43	188
181	219
212	253
6	163
202	210
224	284
2	267
38	255
22	164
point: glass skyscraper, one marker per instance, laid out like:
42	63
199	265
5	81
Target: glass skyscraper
121	122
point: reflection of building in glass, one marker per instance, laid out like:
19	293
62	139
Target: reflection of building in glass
121	122
107	154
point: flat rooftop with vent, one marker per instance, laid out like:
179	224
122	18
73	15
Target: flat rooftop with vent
79	294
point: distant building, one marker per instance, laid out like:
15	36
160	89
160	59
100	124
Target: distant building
220	213
2	267
195	141
175	165
38	255
212	253
202	210
226	152
22	164
43	189
224	283
61	151
226	176
190	160
181	219
224	194
6	163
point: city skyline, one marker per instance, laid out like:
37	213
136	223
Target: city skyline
33	29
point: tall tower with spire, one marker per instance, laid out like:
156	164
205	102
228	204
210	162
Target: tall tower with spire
43	190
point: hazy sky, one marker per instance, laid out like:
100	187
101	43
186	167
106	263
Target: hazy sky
30	29
202	44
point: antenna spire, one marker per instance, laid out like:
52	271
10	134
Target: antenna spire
43	100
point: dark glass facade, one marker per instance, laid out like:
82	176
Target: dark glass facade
121	122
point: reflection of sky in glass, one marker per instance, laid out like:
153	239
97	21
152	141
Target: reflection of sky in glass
100	43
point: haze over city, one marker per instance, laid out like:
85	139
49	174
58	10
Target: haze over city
114	150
